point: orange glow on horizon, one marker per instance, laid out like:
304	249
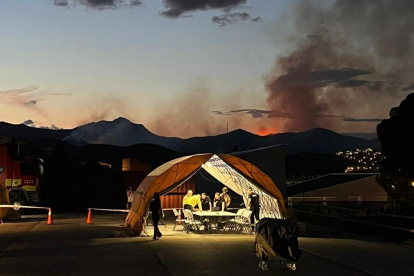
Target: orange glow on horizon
263	131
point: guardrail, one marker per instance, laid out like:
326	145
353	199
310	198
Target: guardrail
402	223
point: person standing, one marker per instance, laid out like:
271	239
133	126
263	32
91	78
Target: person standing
157	214
221	205
254	206
205	206
205	202
226	197
218	202
130	197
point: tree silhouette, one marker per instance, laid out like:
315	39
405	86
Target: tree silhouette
396	135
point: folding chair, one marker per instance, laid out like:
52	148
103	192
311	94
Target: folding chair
234	226
244	221
191	223
177	213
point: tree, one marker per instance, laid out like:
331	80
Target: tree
396	135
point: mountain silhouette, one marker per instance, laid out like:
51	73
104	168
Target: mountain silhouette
122	132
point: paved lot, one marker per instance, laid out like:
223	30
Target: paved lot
70	247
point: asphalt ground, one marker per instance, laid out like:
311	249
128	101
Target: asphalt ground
71	247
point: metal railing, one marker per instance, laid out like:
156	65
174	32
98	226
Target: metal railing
372	217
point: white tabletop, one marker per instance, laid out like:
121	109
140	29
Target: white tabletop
214	214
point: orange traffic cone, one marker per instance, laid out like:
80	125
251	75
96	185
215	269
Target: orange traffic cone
179	218
49	217
89	219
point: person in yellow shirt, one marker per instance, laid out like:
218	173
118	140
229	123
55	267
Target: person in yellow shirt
190	201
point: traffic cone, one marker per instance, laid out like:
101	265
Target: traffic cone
89	219
179	218
49	217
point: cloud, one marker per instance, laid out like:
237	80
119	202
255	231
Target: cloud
221	113
353	120
29	123
28	98
176	8
234	17
257	19
230	18
99	4
259	113
32	123
53	127
342	77
31	103
22	98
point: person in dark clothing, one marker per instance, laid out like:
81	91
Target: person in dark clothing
220	205
218	202
206	206
205	202
254	206
157	214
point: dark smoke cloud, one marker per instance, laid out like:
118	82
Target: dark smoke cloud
99	4
350	57
176	8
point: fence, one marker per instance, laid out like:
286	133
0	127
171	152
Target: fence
372	217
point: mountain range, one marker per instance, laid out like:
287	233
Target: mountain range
122	132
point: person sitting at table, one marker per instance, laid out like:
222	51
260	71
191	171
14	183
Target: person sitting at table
189	202
205	202
218	202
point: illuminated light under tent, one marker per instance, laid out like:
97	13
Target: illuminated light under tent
233	172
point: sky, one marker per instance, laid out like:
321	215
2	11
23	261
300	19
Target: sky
190	67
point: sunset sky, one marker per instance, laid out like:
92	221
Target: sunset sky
186	68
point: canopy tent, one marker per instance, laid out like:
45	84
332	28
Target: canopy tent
4	200
235	173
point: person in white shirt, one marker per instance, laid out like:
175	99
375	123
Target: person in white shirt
130	196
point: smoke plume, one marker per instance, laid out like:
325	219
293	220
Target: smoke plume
190	114
351	58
